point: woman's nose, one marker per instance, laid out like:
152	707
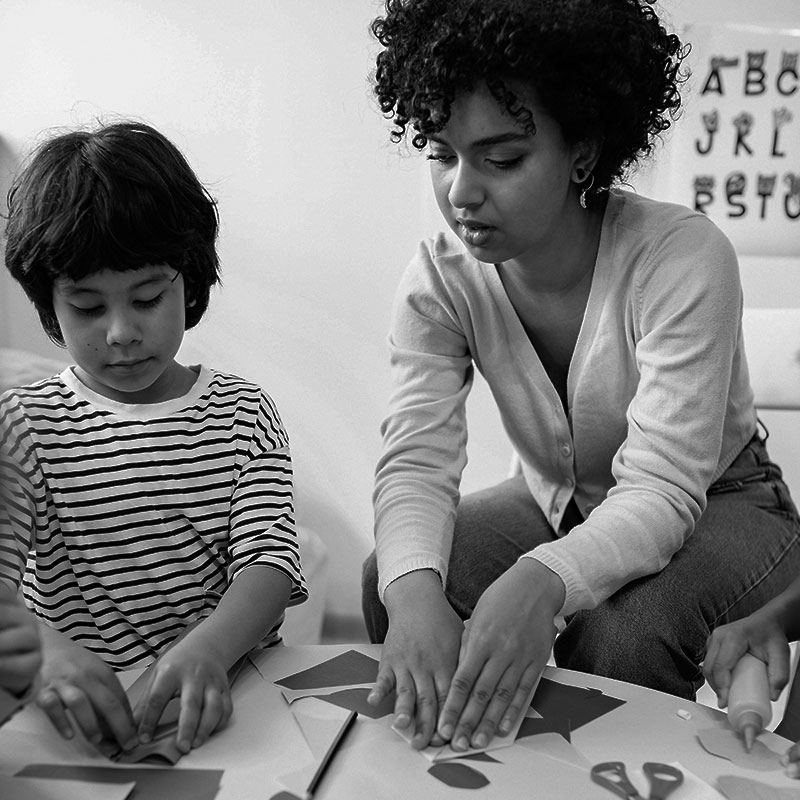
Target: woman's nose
466	188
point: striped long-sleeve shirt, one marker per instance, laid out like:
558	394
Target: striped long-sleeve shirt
125	523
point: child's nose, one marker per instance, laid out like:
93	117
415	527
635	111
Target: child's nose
122	329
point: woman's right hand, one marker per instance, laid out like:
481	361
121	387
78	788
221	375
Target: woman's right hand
76	680
420	653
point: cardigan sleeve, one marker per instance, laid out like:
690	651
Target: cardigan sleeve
424	431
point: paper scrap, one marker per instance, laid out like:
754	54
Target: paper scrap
735	787
579	705
319	723
49	789
152	783
350	668
458	776
726	743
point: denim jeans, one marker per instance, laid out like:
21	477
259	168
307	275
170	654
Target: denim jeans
744	550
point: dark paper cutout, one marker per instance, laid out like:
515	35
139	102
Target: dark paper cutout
356	700
575	706
345	669
152	783
531	726
458	776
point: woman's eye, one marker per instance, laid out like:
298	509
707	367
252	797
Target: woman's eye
441	158
505	163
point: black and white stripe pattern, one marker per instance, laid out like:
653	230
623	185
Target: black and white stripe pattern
126	523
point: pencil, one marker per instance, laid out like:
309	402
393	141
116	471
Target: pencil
328	757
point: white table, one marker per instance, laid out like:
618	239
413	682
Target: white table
263	742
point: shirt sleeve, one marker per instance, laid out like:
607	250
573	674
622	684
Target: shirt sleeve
262	523
687	326
19	476
425	431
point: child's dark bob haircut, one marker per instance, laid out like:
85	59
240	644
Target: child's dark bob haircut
606	70
121	197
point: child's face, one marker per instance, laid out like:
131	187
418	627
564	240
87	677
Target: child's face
123	330
506	194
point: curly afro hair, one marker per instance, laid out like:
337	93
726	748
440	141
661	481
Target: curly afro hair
607	70
120	197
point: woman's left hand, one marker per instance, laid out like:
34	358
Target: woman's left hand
504	648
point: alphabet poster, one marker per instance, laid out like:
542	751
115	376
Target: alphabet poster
735	151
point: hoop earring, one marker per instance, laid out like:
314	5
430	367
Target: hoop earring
584	191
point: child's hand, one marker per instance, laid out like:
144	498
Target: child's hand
20	647
758	634
791	761
504	649
75	679
200	679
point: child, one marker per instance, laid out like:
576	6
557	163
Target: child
608	327
154	519
766	634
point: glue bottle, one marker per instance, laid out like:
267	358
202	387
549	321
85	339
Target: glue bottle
749	706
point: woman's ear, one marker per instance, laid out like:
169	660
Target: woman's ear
586	156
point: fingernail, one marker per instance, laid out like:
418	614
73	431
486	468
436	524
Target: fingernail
461	743
480	740
446	732
402	721
505	726
145	738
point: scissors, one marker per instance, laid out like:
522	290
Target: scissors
663	779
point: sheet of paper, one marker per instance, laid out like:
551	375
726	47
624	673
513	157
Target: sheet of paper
735	787
556	747
726	743
692	787
319	722
152	783
15	788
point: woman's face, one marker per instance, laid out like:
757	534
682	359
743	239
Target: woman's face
507	194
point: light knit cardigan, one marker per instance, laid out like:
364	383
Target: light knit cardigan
658	391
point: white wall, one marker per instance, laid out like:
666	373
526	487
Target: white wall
270	101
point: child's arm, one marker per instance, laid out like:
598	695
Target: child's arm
765	633
20	647
195	668
76	680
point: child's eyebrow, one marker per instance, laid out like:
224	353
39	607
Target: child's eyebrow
72	289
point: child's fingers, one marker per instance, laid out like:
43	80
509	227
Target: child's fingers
192	697
426	708
519	704
150	708
49	701
18	671
215	714
791	761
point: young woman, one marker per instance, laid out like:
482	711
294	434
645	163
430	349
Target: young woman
608	327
